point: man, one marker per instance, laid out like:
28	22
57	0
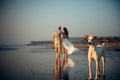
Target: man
57	40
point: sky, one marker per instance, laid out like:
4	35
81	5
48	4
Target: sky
22	21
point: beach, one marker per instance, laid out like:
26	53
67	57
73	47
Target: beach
39	63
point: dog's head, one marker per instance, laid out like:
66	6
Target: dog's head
91	39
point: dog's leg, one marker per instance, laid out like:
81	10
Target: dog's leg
97	68
90	69
103	66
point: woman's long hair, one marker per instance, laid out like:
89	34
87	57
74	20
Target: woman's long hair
65	31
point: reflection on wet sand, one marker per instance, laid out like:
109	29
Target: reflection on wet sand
65	73
62	67
57	69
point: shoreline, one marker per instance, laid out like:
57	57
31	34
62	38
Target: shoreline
110	43
79	45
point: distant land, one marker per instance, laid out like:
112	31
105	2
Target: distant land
81	41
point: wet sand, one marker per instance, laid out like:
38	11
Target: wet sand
40	64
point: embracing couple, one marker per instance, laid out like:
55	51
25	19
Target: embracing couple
60	40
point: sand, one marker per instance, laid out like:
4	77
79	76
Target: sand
39	64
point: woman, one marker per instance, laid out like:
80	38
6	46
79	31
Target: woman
65	36
68	47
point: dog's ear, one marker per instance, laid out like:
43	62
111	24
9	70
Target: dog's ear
96	37
86	36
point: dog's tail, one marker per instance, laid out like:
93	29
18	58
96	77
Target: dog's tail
103	43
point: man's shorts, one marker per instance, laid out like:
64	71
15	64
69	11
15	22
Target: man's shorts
57	44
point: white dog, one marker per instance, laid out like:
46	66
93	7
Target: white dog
95	53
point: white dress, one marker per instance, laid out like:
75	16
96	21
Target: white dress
69	46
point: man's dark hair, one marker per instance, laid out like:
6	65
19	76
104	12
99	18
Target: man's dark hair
59	27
